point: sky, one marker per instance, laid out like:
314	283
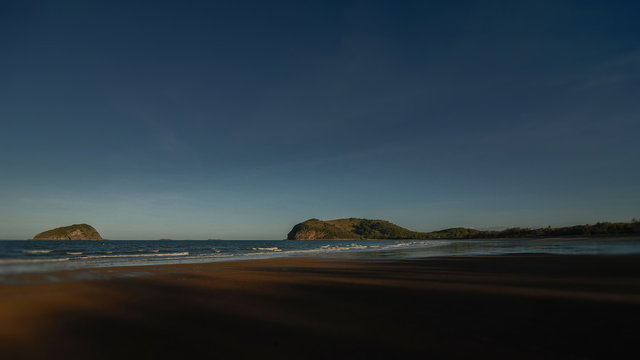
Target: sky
239	119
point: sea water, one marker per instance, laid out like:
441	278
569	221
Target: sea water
24	256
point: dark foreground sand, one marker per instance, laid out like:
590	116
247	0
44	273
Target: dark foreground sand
510	307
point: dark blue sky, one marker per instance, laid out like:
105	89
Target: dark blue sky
239	119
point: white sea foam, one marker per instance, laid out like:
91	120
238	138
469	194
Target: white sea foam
36	251
357	246
267	249
74	252
330	248
30	261
320	250
132	255
413	244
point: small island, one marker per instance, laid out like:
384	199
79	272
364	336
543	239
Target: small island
365	229
71	232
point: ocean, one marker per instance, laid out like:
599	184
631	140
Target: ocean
28	256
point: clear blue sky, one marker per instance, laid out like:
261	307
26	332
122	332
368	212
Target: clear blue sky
237	120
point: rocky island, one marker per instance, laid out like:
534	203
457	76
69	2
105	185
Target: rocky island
71	232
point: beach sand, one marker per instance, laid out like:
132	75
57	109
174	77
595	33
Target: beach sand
509	307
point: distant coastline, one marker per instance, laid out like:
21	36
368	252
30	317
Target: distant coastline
365	229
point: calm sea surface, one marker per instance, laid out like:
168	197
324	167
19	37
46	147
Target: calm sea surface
24	256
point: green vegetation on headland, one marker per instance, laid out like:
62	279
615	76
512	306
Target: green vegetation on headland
71	232
364	229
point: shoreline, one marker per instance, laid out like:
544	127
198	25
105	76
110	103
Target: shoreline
71	255
506	306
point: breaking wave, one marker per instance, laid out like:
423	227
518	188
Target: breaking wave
37	251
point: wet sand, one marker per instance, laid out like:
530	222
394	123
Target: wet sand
517	306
